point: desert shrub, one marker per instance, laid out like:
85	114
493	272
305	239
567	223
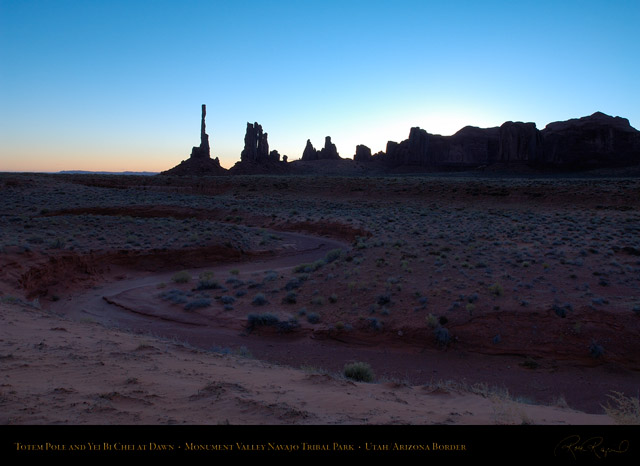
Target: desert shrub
227	299
317	300
197	304
306	268
220	350
290	298
333	255
206	275
310	267
243	352
626	410
432	321
375	323
359	371
595	350
313	318
496	289
318	264
208	285
261	320
442	336
57	244
333	298
293	284
175	296
384	299
270	276
234	282
285	326
259	300
181	277
360	242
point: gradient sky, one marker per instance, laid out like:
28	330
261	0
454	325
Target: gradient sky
117	85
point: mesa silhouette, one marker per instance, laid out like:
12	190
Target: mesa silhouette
591	142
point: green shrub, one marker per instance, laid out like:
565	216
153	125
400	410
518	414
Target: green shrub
359	371
496	289
259	300
208	285
442	336
261	320
313	318
197	304
182	277
333	255
290	298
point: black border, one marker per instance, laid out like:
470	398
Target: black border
572	444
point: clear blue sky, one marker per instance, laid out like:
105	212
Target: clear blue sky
117	85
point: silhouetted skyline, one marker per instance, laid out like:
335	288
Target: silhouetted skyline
119	85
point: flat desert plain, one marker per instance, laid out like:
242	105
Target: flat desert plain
435	299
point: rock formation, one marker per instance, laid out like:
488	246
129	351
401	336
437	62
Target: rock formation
309	153
256	157
410	152
519	142
328	152
594	141
363	154
203	150
256	145
199	162
589	142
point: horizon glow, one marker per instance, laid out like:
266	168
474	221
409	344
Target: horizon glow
118	85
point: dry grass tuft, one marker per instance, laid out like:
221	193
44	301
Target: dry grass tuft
626	409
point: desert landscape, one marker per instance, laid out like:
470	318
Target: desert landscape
456	298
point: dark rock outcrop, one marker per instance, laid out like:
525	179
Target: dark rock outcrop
363	154
310	152
203	150
328	152
256	145
200	162
471	146
519	142
256	157
594	141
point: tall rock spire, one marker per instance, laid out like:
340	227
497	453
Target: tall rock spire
203	151
200	161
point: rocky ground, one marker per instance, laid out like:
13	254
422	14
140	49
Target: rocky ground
473	299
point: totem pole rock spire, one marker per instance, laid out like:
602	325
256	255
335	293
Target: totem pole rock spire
200	162
203	151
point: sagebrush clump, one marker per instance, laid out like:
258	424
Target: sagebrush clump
359	371
182	277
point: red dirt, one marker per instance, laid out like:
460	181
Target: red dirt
532	350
